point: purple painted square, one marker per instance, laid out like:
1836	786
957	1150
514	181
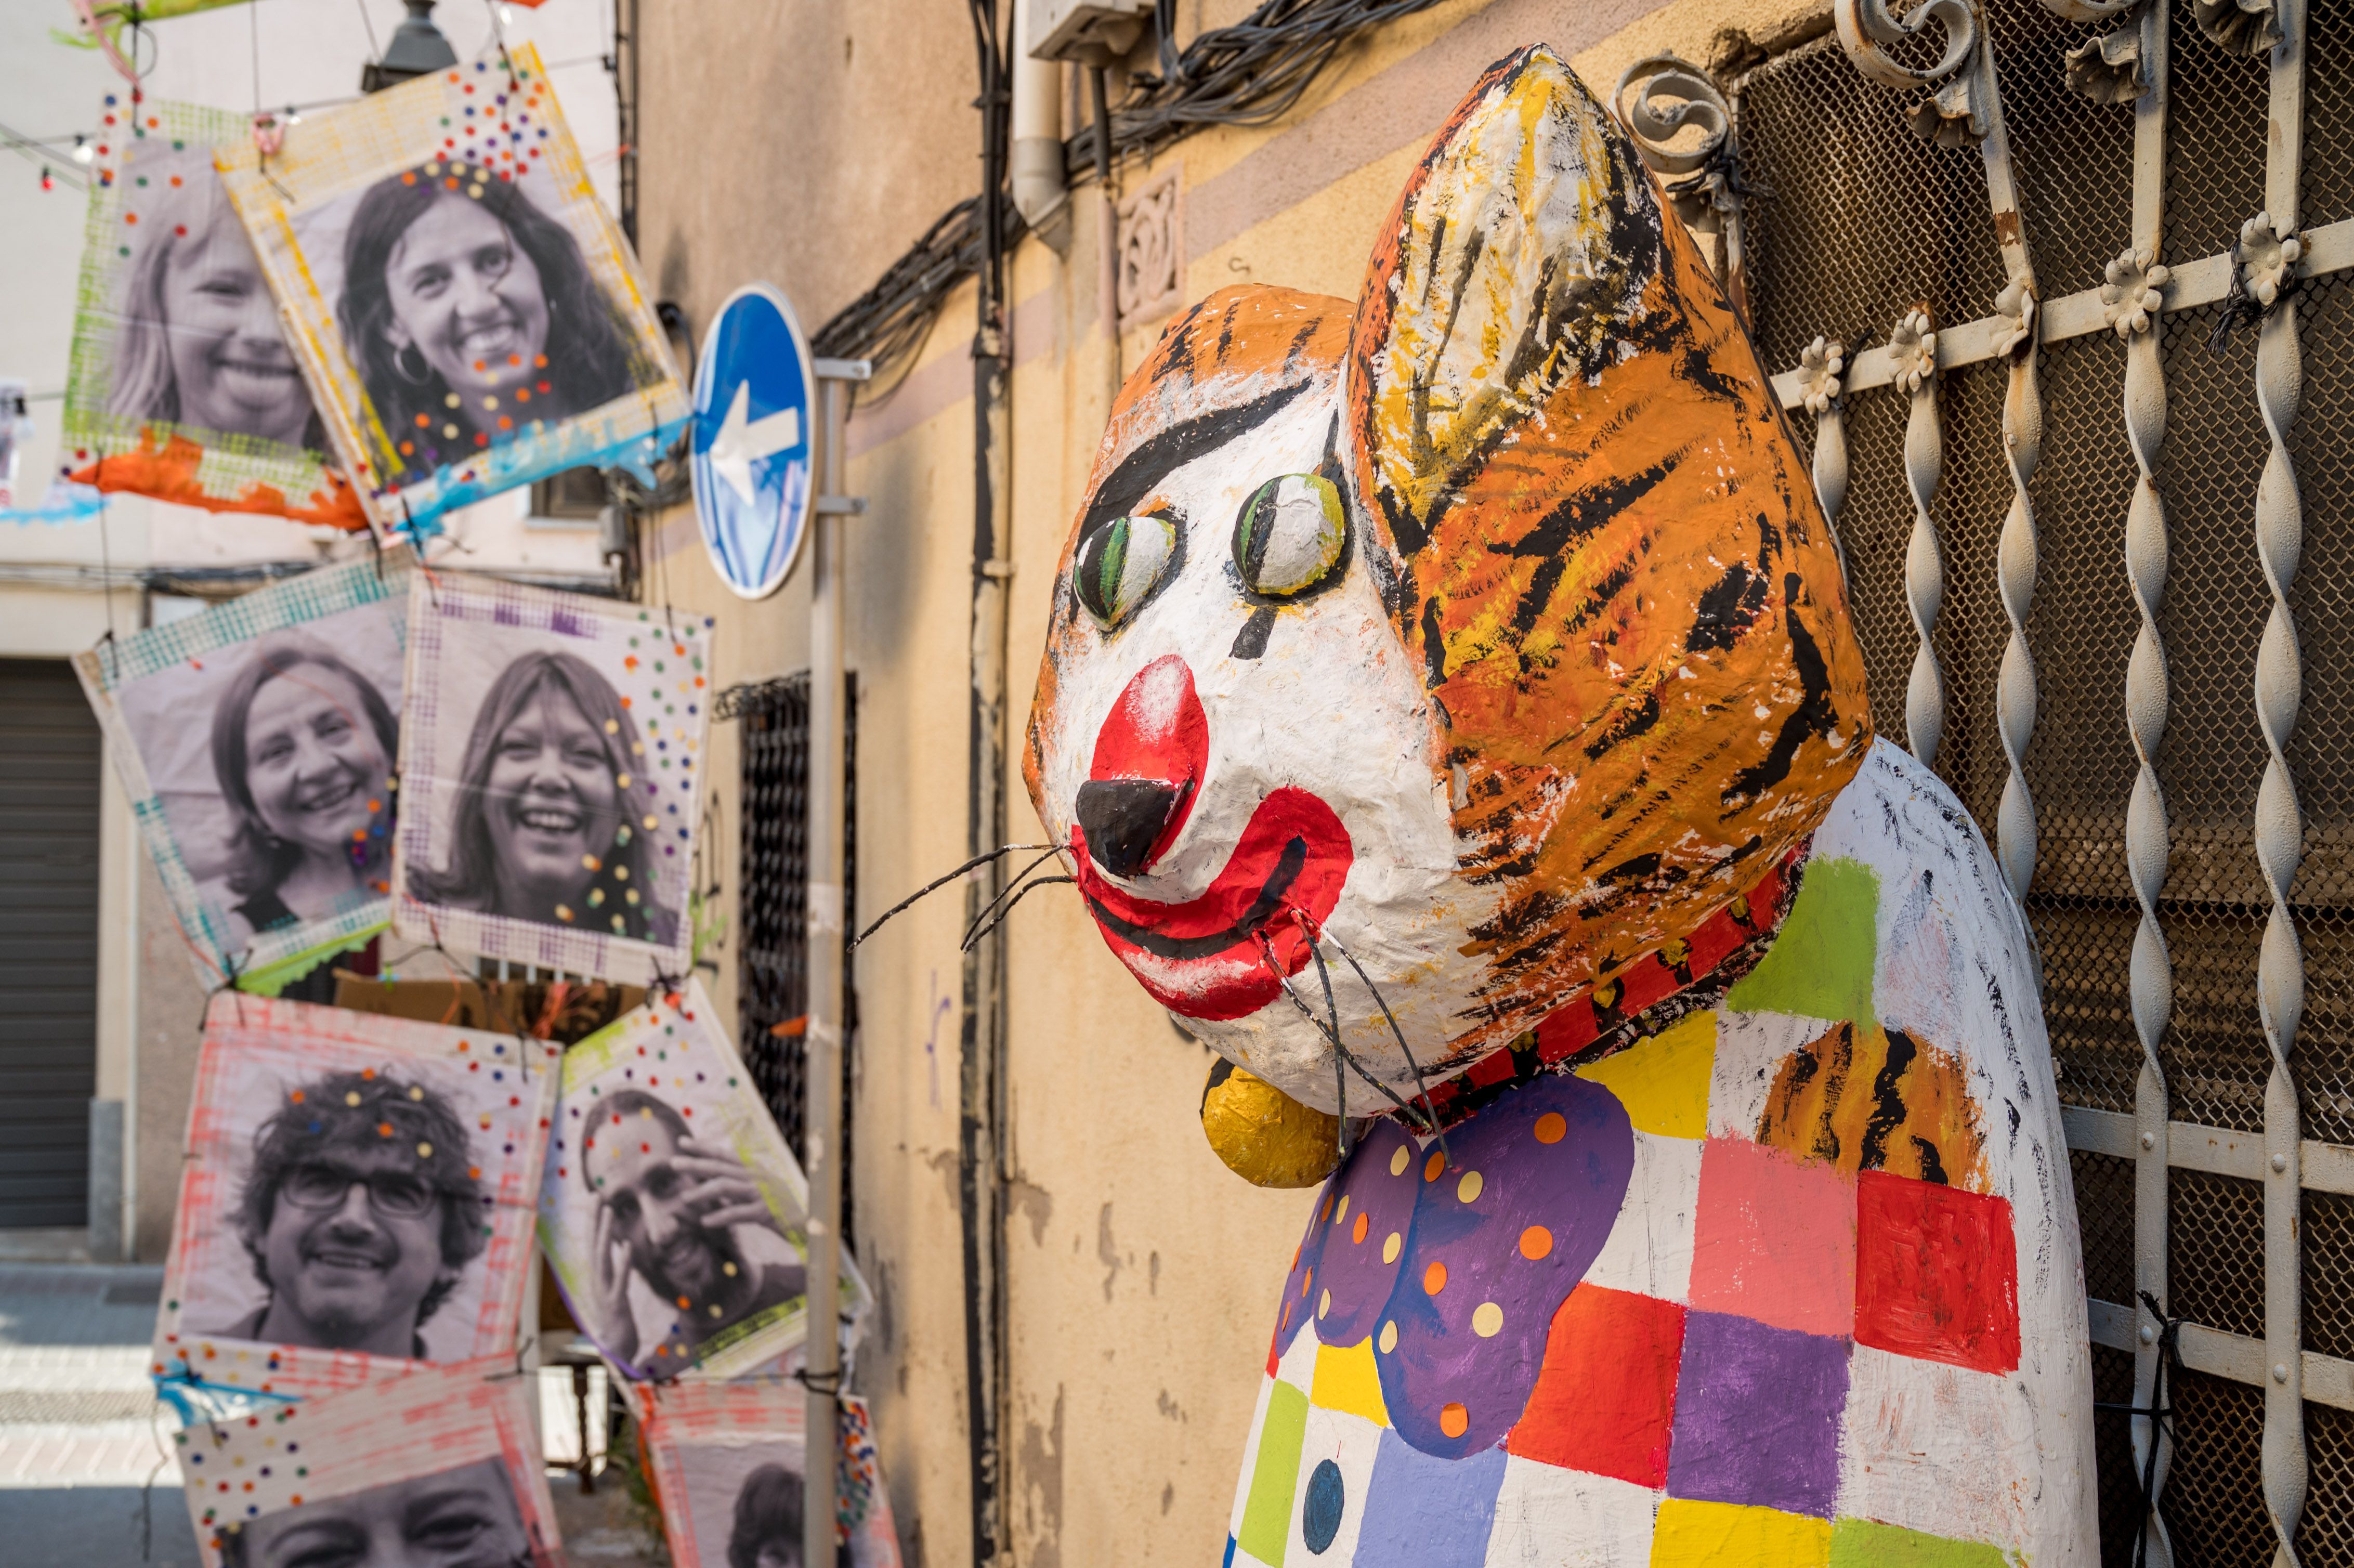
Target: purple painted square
1757	1415
1422	1511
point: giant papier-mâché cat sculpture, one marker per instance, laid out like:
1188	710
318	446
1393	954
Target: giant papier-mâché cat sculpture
1451	710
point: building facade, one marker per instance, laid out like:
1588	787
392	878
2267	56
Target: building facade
2075	553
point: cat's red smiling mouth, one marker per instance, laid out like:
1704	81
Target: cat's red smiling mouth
1204	957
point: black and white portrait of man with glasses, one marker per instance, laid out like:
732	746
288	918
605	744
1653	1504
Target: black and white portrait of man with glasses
361	1212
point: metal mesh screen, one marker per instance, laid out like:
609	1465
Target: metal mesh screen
773	910
1863	221
2214	1499
2120	1492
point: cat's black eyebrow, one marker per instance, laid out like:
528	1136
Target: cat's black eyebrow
1136	473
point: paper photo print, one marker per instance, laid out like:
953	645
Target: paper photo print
358	1197
439	1466
551	748
731	1459
257	741
672	1214
183	385
468	314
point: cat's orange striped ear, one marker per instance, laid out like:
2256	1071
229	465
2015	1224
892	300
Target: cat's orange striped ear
1610	567
1516	261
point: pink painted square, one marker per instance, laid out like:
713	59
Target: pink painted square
1774	1239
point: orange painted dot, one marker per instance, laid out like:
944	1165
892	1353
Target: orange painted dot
130	218
1358	1234
480	366
1433	1166
1303	1284
383	1130
1536	1242
682	1301
296	1097
1327	1214
1434	1279
409	178
539	361
1550	1128
1454	1420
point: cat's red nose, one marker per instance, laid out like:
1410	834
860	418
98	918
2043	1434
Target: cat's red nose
1148	765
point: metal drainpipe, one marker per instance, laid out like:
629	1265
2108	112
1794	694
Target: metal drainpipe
980	1079
1107	238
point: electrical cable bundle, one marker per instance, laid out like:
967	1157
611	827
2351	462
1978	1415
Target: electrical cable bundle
1248	74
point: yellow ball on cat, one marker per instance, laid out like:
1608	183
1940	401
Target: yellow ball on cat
1265	1135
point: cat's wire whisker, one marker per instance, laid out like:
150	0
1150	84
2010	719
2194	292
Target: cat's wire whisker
1421	1085
1019	892
939	882
996	907
1341	1051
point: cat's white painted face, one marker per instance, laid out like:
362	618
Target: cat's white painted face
1247	771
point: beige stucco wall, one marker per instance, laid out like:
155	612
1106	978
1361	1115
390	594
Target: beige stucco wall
1141	1275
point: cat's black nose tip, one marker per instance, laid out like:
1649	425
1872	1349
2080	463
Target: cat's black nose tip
1128	820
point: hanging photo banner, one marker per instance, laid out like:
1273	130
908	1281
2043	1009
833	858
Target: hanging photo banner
550	761
358	1197
257	742
184	387
730	1460
753	440
467	312
439	1466
674	1214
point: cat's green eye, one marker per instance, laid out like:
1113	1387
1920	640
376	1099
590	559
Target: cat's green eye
1290	533
1120	564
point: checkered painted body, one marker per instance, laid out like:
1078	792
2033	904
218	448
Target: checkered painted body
1837	1317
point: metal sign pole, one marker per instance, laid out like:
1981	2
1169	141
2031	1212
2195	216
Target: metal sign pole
821	1119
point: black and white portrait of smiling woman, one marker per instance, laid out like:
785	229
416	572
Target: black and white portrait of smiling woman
472	316
548	823
302	747
197	342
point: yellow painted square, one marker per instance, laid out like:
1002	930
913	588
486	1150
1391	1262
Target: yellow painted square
1347	1380
1725	1535
1663	1081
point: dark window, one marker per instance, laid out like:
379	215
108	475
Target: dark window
773	1001
577	492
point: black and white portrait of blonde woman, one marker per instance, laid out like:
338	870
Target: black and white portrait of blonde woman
551	811
196	340
303	748
472	316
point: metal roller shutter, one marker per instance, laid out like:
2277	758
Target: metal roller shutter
49	762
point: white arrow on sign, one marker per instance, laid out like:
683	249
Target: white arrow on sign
741	442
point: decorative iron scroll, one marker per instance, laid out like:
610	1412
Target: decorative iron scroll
1702	181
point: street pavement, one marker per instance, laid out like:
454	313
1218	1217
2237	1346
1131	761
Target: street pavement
87	1479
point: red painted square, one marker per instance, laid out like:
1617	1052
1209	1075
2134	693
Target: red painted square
1936	1273
1606	1397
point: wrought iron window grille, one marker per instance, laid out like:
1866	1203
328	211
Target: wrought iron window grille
773	913
2101	552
